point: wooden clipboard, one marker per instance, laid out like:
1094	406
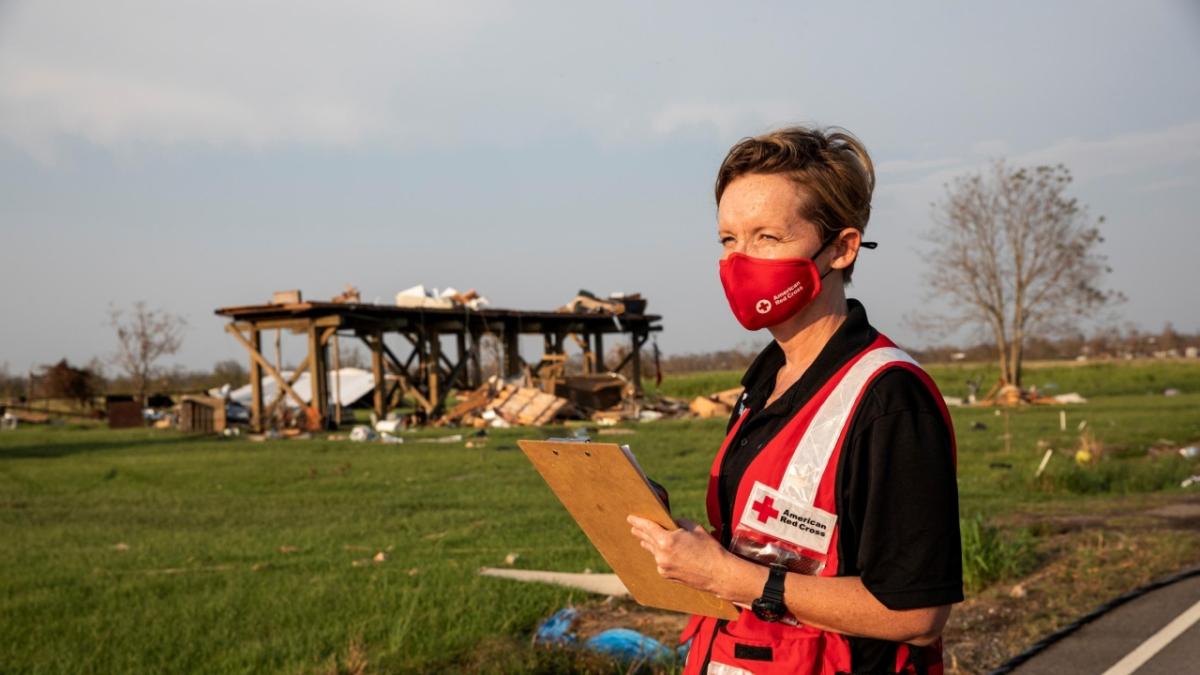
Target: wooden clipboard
600	485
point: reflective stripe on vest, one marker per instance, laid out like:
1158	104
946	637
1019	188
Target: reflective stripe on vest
810	459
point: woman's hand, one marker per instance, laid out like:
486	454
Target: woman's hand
688	555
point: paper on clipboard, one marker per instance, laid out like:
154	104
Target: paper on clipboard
600	484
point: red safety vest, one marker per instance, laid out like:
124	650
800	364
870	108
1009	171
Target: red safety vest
789	491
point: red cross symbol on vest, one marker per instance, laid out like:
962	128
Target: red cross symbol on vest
766	509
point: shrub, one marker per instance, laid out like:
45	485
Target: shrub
989	555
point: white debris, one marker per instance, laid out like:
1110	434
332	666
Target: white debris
362	434
602	584
389	426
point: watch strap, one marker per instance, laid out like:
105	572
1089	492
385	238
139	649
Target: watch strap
773	590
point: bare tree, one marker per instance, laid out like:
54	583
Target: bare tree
1015	255
144	336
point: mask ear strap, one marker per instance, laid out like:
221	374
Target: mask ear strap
865	244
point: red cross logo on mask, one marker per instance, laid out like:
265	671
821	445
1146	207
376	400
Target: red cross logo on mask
766	509
763	306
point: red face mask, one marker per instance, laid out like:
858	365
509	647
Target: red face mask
764	291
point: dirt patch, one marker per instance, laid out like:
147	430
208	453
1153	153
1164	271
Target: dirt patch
595	618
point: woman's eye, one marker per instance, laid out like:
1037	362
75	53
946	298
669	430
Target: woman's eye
725	241
770	237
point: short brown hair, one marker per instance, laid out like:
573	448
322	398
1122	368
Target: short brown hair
830	166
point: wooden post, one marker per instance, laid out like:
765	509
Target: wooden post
435	370
461	348
376	344
512	352
600	367
637	363
337	381
476	372
256	393
318	379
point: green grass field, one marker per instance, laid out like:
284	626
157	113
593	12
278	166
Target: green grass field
148	551
1107	378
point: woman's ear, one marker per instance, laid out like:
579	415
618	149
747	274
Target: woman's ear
845	248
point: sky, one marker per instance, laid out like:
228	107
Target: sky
197	155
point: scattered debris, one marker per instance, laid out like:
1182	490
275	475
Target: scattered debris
380	557
593	392
419	296
285	549
1190	452
586	302
602	584
1171	392
1090	449
389	426
362	434
511	558
624	644
720	404
120	546
292	297
1010	395
978	426
1045	460
201	414
615	431
455	438
348	296
526	405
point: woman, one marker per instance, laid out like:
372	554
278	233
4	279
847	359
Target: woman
832	499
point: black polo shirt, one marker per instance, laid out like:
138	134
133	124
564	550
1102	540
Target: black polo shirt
897	496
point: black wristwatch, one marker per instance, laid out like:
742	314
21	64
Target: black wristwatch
770	607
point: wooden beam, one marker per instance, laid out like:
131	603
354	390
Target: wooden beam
281	394
374	344
476	375
257	359
318	379
290	324
434	374
304	365
460	346
337	380
404	380
512	352
638	340
256	393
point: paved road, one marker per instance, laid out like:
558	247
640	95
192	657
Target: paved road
1141	636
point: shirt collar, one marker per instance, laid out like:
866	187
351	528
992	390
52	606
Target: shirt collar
854	335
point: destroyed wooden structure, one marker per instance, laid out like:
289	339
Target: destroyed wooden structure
202	414
424	370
